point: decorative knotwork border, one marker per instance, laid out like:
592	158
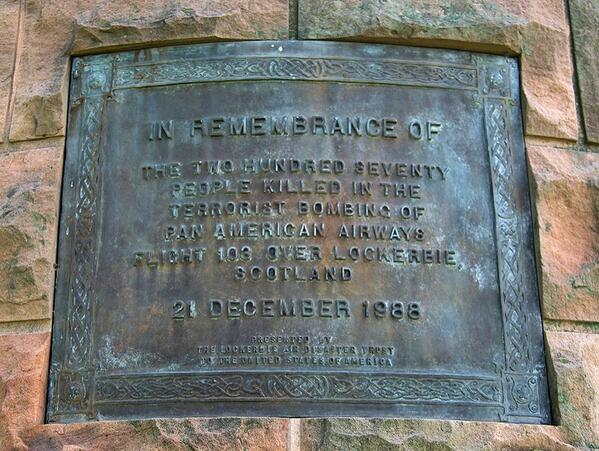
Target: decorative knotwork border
299	385
73	377
296	68
75	389
520	375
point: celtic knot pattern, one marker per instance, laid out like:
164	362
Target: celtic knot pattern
272	385
84	236
521	378
73	377
256	68
508	238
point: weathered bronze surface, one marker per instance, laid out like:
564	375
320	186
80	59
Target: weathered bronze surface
296	229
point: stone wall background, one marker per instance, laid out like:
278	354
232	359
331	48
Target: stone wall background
557	43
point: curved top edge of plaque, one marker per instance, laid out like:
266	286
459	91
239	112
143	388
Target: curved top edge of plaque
305	60
328	49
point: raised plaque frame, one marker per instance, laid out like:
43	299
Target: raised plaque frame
79	392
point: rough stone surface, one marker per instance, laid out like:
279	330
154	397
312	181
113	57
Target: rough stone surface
536	29
55	29
584	16
28	221
200	434
565	190
23	374
574	360
9	20
427	435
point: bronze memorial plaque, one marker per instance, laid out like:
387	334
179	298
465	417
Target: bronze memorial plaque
296	229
